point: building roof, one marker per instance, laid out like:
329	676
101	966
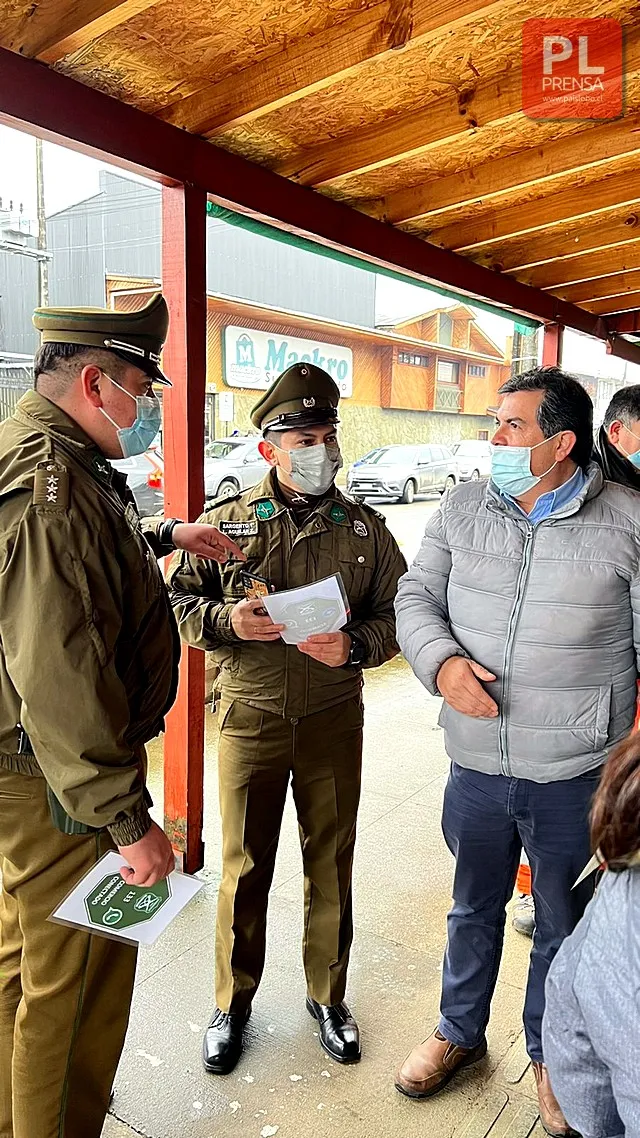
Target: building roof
251	310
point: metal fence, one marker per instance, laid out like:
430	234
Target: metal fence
14	381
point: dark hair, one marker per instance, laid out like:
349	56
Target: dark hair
58	364
566	406
615	817
624	406
49	357
274	437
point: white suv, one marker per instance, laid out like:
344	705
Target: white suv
473	457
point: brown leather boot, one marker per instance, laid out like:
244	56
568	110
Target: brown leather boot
551	1116
433	1063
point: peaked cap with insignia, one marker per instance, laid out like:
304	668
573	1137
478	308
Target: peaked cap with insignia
304	395
136	337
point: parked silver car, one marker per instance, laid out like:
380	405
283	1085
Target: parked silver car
145	476
402	472
473	457
231	465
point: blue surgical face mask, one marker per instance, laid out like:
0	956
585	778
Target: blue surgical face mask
634	457
137	438
511	468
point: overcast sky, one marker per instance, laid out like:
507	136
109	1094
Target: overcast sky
71	177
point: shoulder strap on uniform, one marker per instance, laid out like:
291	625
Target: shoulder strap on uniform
370	510
214	503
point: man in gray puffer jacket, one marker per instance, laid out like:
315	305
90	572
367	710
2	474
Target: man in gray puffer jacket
522	609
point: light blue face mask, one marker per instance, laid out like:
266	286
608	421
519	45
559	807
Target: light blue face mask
511	468
634	457
137	438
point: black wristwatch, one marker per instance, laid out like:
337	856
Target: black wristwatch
357	652
165	532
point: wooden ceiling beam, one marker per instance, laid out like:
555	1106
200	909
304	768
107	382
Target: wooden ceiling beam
571	205
626	323
409	135
537	166
553	275
319	61
52	29
477	104
615	285
615	304
618	228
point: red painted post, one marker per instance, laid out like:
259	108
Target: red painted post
184	286
552	345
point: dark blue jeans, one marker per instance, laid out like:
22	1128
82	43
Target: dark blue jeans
486	821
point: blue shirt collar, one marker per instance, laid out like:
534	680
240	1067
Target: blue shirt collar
554	500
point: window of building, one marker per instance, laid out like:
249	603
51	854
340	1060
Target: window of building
448	371
477	369
446	329
414	360
483	436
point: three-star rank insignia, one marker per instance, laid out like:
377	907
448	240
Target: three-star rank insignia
264	511
51	485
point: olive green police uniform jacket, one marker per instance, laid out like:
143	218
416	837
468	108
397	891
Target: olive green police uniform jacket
339	536
89	646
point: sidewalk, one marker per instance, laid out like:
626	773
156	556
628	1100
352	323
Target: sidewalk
284	1085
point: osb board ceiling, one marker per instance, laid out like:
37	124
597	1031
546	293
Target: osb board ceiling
139	61
407	109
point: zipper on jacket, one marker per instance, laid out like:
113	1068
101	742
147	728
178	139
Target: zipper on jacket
521	583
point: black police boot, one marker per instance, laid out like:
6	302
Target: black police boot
222	1043
339	1033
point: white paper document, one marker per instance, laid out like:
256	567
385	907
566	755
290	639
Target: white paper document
309	610
105	903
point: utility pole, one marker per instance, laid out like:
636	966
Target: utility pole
43	264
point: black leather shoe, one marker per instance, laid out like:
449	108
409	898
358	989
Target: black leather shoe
222	1043
339	1033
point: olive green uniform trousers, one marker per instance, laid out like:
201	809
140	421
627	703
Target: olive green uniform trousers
64	994
259	754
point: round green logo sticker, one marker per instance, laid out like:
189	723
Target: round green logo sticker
112	903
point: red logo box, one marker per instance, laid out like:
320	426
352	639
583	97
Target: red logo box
572	69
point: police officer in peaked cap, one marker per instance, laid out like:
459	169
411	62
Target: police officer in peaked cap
289	713
88	669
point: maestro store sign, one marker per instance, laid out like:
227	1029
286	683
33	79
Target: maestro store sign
254	359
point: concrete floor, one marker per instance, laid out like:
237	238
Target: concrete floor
284	1083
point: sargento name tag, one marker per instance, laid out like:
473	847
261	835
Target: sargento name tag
238	529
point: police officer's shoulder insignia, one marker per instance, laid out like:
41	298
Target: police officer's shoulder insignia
371	510
215	503
338	514
360	529
51	485
265	510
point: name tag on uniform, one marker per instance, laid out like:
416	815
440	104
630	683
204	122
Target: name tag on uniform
133	517
238	528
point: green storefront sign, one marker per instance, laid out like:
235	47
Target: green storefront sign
115	904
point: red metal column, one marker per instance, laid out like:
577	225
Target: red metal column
184	286
552	345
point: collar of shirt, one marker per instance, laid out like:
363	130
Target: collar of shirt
547	504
